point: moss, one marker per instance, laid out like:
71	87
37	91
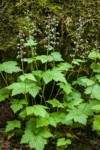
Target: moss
12	20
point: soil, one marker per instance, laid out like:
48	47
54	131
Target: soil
6	113
85	138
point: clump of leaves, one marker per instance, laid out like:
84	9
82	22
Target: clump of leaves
41	112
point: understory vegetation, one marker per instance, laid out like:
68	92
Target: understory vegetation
53	81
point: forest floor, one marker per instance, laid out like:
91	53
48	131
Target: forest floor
82	139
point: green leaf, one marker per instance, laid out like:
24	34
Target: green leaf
4	93
42	58
63	142
84	81
31	125
35	137
34	90
88	90
86	107
94	91
53	74
37	73
29	76
27	137
43	122
23	114
77	61
12	125
66	87
95	67
29	60
50	48
96	107
18	88
30	43
98	77
44	132
33	140
94	54
71	104
9	67
77	115
37	110
64	66
47	76
22	88
58	76
74	95
38	144
18	104
56	56
59	117
96	123
53	119
55	103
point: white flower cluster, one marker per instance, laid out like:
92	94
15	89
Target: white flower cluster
20	45
29	33
81	44
51	34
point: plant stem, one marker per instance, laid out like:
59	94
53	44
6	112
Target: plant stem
57	93
43	90
5	79
52	90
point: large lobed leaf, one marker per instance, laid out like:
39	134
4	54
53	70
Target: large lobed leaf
98	77
94	91
11	125
30	42
96	123
81	112
53	119
63	142
37	110
77	61
9	67
64	66
54	56
22	88
77	115
94	55
29	76
66	87
4	93
35	137
34	141
18	88
84	81
53	74
96	107
95	67
55	103
18	104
